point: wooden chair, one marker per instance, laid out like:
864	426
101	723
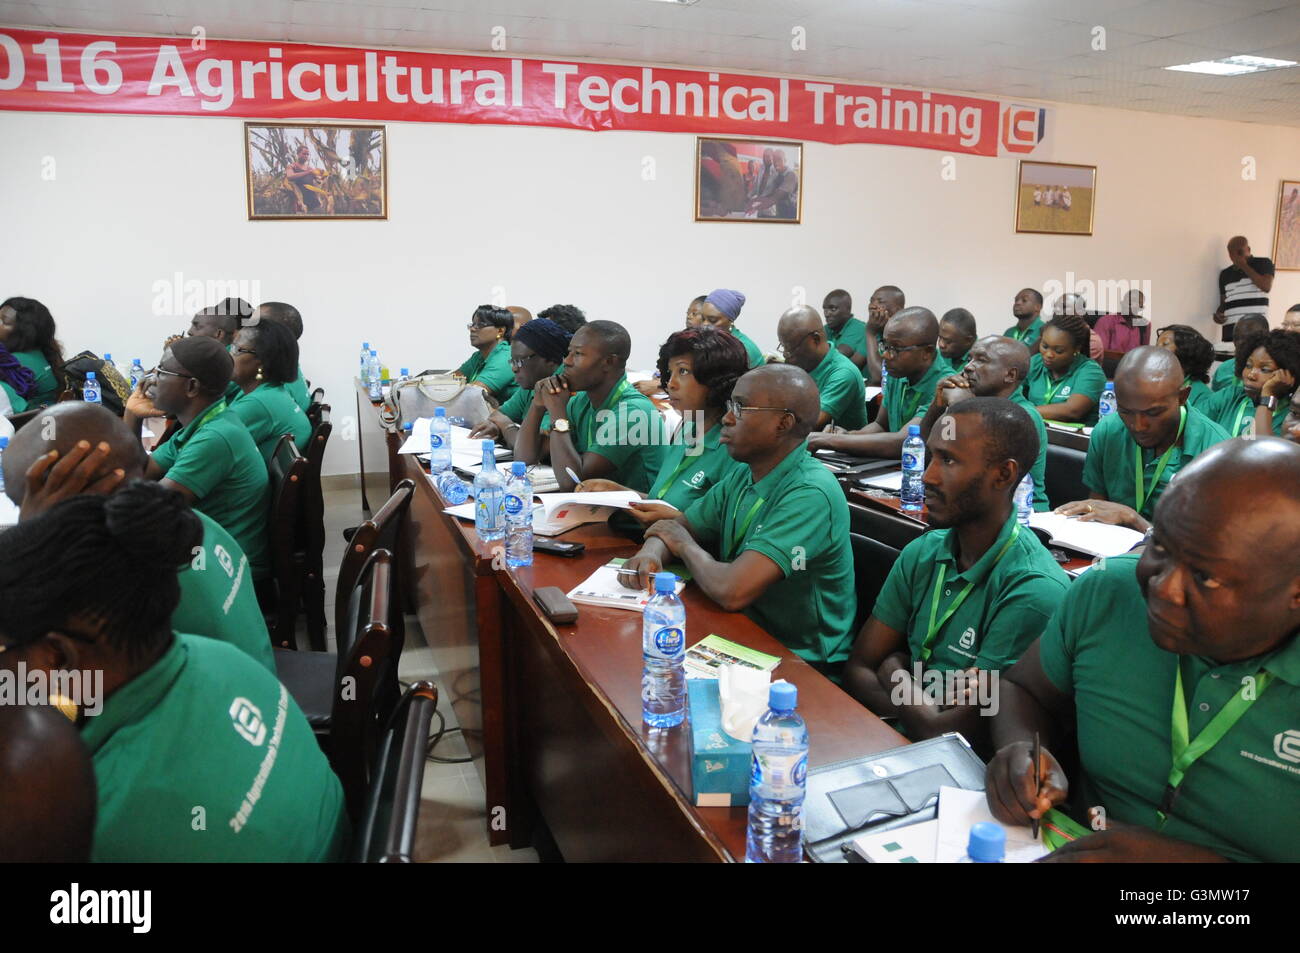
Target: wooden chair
317	401
313	528
384	530
386	832
288	472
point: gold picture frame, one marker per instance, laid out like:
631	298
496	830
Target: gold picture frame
737	180
1055	198
309	171
1286	228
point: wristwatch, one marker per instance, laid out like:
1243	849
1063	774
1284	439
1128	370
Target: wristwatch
560	426
1270	402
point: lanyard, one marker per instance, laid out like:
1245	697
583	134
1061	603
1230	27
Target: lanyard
659	488
1185	752
1142	496
217	408
961	597
613	397
1050	392
735	534
1241	412
1020	335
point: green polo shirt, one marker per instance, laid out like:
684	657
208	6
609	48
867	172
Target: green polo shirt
797	517
1239	798
215	458
16	404
493	371
1029	336
1111	465
1010	602
217	598
1234	411
517	404
959	365
1200	395
839	382
1039	470
626	430
686	477
46	389
1083	376
755	355
905	401
269	412
206	757
854	334
1225	375
298	391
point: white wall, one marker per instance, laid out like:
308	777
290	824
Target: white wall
558	215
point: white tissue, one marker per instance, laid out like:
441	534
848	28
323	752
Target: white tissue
743	692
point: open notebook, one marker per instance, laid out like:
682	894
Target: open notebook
1092	539
556	513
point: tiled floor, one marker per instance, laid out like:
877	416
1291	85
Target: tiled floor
453	818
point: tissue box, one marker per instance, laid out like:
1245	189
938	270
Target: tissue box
720	764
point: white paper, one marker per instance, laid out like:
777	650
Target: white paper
958	810
893	480
743	692
912	844
462	447
872	393
603	588
1096	539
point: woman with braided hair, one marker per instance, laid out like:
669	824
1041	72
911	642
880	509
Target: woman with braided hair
1064	383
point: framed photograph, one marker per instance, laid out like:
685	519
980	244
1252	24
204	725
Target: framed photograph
315	171
1286	235
1055	198
748	180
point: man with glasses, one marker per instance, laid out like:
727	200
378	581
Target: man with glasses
770	539
915	368
804	343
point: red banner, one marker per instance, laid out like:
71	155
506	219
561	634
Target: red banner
74	72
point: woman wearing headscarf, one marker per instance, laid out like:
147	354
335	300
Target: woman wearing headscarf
535	353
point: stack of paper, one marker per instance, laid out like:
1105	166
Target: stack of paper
602	588
464	451
560	512
892	481
1090	538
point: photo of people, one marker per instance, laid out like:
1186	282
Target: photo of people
315	171
1286	237
748	180
1055	198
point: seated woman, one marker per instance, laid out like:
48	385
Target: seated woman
700	366
1268	364
535	353
1064	383
27	332
1196	354
490	331
266	365
15	382
199	753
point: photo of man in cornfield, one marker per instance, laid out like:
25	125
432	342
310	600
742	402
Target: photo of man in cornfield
316	171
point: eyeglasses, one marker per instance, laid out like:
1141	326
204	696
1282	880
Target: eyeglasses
479	325
236	349
160	371
518	362
736	409
888	349
788	349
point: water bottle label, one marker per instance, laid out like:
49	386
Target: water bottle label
514	505
780	774
669	641
909	461
435	441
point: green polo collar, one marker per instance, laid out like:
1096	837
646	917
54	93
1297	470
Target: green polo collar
768	486
182	436
136	698
978	572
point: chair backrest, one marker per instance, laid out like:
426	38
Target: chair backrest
366	687
383	530
872	561
386	832
288	471
315	405
313	498
21	420
1063	478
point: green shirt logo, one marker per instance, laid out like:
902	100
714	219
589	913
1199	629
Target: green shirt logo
248	721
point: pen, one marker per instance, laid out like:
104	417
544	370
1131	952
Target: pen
1038	780
572	476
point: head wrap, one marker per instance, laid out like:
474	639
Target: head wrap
727	301
16	375
546	339
207	360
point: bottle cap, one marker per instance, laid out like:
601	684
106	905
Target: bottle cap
489	449
665	582
372	353
90	375
406	372
987	844
782	696
4	442
365	345
408	425
440	411
914	430
108	357
518	468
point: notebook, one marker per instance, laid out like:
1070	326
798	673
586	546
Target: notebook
1090	538
602	588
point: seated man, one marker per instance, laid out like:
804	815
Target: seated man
89	450
1027	308
288	315
776	530
1226	375
886	301
970	597
996	367
1204	623
601	426
847	334
1152	426
721	310
211	461
956	335
804	343
915	368
221	322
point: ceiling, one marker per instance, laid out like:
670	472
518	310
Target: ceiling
1039	49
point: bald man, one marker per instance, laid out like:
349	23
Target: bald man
75	447
915	367
1136	451
1243	286
772	538
847	334
47	803
522	315
886	301
996	366
1203	625
804	343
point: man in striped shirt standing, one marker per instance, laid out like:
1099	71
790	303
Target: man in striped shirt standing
1243	286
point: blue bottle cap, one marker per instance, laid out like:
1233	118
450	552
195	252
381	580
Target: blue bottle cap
108	357
90	375
782	696
440	411
4	442
665	582
408	425
406	372
914	430
366	345
987	844
518	468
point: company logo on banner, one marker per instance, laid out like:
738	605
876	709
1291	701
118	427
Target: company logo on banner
74	72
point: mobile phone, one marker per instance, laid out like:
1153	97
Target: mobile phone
543	544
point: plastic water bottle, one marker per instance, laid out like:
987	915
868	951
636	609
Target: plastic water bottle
489	497
90	389
913	492
1107	404
1025	499
439	441
365	362
987	844
777	781
663	653
374	380
519	516
4	443
137	373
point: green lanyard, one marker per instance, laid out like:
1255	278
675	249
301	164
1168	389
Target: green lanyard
733	535
1021	335
1050	392
213	411
655	494
612	399
1241	412
1185	752
961	597
1142	496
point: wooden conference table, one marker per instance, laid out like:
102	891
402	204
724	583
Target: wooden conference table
552	714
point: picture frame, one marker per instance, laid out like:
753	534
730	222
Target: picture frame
738	180
1055	198
1286	230
315	171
